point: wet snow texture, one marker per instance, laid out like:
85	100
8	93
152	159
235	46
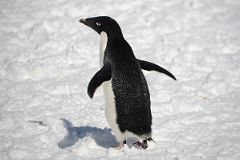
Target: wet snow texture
47	59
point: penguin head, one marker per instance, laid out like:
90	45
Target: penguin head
103	24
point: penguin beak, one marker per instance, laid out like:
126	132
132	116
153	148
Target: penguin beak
90	22
83	21
86	21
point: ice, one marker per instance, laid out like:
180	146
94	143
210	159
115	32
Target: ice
47	59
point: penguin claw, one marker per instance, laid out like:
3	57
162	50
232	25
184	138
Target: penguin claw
142	144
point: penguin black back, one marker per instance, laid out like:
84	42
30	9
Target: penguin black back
131	91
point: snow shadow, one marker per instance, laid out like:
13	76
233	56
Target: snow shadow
102	137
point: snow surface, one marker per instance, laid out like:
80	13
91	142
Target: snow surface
47	59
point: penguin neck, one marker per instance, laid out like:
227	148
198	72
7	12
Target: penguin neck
103	46
111	41
115	40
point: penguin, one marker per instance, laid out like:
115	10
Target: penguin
127	97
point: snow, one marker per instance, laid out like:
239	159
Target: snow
47	59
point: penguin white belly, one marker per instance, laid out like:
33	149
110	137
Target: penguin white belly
110	107
110	110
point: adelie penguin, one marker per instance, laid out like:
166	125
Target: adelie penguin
127	98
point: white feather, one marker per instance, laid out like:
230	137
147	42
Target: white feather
103	46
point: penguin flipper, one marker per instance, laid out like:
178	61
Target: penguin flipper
148	66
104	74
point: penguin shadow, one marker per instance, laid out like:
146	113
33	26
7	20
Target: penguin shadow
102	137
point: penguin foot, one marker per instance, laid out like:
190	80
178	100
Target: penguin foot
142	144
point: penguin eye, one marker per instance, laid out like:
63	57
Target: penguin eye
98	23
